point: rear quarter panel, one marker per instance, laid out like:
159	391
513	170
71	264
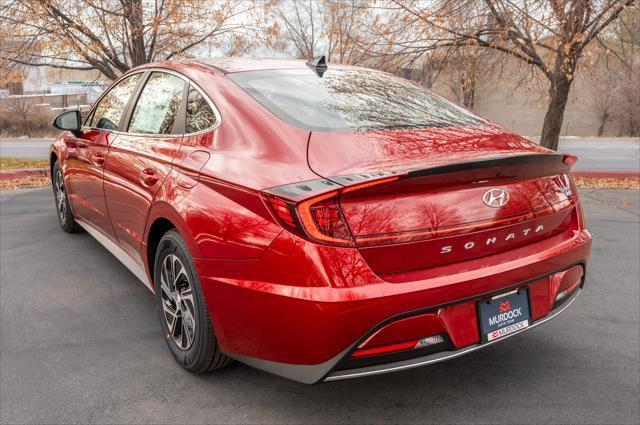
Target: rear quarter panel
212	193
217	219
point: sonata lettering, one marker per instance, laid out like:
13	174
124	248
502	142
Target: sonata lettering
494	239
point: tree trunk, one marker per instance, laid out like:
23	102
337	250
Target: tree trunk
603	122
559	94
133	14
470	97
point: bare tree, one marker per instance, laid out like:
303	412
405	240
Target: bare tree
465	68
603	98
303	24
336	28
347	30
613	71
111	36
626	110
550	35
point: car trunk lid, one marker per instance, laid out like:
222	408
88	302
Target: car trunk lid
479	192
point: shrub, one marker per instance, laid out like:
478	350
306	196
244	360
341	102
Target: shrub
23	116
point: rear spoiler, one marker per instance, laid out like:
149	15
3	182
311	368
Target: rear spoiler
534	163
501	168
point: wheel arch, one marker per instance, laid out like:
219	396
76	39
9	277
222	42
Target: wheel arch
162	218
53	157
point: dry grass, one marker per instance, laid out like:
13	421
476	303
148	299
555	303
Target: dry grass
608	183
7	163
24	183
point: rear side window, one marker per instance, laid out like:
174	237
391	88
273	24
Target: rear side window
158	104
199	114
350	99
110	108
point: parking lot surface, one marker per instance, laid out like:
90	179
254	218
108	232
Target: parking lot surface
80	343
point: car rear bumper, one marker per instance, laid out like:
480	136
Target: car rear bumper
307	333
443	355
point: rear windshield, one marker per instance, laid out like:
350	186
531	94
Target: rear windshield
349	99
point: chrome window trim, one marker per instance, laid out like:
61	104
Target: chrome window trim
95	104
133	107
216	113
212	105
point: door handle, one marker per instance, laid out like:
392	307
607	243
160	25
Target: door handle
148	176
98	158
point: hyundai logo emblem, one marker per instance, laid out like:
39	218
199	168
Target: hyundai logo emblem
495	198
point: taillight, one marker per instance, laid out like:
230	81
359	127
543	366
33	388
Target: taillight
569	160
319	218
282	211
323	220
312	209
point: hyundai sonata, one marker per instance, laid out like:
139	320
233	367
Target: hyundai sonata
316	221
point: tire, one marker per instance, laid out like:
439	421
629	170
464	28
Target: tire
187	329
65	216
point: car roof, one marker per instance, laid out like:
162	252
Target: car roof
229	65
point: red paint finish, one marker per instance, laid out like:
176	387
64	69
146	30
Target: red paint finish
307	243
84	170
377	151
134	172
449	248
412	209
413	328
454	316
266	316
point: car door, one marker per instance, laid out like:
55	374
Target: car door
88	153
141	157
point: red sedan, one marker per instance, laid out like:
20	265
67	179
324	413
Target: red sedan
319	222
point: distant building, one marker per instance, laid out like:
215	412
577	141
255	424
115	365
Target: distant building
92	89
43	81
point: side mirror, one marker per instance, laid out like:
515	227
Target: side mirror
70	120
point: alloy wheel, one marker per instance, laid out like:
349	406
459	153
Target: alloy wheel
61	197
177	302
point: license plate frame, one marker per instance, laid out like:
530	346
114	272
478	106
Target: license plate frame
504	314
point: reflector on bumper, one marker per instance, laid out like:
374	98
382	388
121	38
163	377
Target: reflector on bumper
407	345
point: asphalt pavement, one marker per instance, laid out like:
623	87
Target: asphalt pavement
80	342
25	148
595	154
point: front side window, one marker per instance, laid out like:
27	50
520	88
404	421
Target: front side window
199	114
157	107
350	99
109	111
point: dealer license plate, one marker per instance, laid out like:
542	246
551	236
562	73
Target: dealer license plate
504	314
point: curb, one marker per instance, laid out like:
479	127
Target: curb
24	173
606	174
